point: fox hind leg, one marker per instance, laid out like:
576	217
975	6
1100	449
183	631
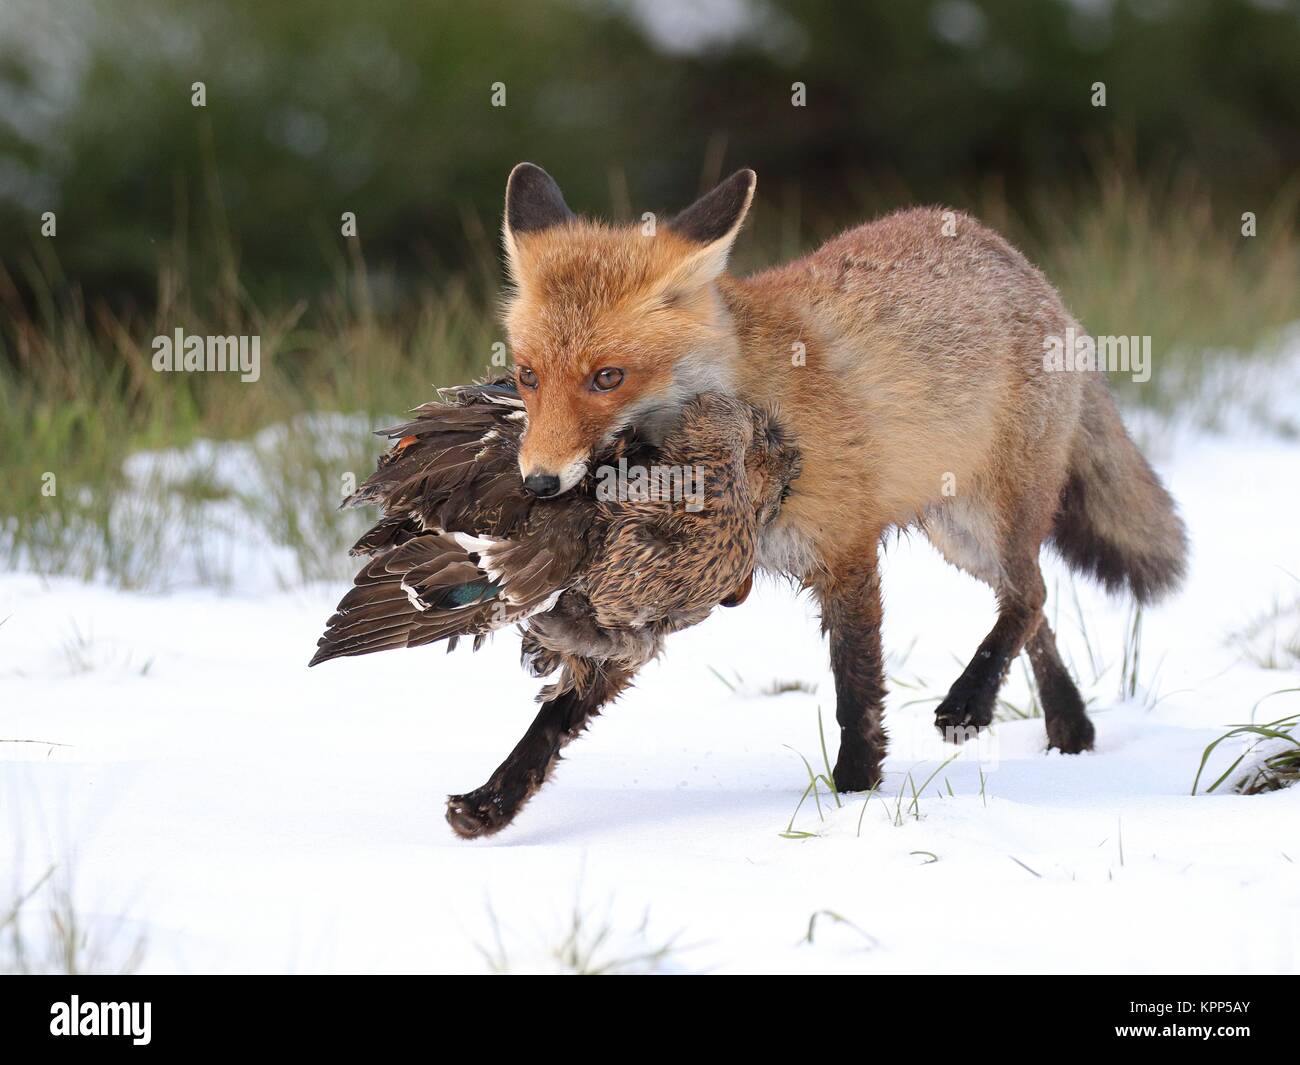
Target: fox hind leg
971	700
1004	554
1068	727
965	536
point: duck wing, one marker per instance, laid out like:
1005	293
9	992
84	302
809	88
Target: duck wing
453	466
460	549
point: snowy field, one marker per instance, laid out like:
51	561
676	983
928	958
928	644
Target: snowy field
208	800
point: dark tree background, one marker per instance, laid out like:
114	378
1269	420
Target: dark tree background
384	108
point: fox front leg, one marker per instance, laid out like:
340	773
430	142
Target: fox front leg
561	720
851	614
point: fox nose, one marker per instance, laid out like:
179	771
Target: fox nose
542	485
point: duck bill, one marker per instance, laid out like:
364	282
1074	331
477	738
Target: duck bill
742	593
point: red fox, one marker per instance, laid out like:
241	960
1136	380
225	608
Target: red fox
906	359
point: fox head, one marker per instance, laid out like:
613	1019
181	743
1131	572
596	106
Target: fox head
612	327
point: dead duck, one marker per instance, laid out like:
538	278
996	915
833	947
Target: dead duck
649	544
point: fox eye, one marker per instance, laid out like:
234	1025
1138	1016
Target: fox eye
526	377
607	380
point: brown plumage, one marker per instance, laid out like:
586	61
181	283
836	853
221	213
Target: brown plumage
596	577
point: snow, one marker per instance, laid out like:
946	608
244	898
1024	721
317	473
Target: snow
205	795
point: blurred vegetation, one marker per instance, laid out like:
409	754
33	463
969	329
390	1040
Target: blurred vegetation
226	219
78	394
384	109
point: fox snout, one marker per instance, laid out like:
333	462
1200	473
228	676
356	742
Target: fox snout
544	485
545	481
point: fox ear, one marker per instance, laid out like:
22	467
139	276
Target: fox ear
713	222
719	213
533	201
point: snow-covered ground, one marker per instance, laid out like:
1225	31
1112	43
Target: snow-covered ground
205	795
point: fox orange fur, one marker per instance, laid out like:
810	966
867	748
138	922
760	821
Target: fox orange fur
906	359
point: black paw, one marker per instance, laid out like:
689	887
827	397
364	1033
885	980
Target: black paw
856	775
1070	735
965	711
480	813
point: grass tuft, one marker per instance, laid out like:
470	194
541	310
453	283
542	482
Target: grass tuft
588	944
1272	640
815	779
1271	755
837	919
71	944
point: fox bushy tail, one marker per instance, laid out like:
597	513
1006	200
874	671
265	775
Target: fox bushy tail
1116	522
